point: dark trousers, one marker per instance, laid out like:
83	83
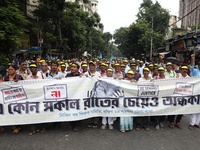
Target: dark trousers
158	119
35	127
75	124
171	118
142	122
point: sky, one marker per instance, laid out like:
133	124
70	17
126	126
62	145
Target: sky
121	13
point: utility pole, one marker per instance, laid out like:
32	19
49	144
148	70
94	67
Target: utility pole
197	17
151	51
197	23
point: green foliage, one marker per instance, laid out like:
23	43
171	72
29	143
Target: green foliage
12	22
65	26
160	15
4	59
135	39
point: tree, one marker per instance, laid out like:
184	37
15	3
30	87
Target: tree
63	25
134	40
12	22
160	15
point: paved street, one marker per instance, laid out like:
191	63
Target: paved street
98	139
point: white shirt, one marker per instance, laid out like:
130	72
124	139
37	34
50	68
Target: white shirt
38	76
89	74
140	69
142	79
180	76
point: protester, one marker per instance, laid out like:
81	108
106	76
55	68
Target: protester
36	75
195	72
84	68
122	69
159	119
103	69
92	73
54	73
23	70
169	73
172	121
143	122
117	73
12	76
137	75
126	123
63	69
44	69
140	67
108	120
74	73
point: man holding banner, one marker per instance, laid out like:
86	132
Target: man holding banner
194	118
36	75
74	73
176	122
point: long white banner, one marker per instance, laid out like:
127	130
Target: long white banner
37	101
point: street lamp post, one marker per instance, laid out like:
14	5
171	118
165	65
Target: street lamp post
151	50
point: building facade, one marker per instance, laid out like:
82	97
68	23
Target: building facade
189	12
91	7
174	28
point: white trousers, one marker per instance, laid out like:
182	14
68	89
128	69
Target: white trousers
195	119
110	120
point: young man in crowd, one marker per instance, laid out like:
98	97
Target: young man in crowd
54	73
84	68
137	75
63	69
172	121
92	73
103	69
74	73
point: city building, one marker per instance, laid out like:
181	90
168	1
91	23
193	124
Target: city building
91	6
189	13
174	28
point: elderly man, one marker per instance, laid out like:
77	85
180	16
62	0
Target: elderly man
170	73
23	70
36	75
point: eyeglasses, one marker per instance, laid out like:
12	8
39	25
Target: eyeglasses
24	64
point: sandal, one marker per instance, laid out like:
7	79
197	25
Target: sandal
31	133
34	132
191	127
16	130
43	130
137	129
147	129
197	126
123	131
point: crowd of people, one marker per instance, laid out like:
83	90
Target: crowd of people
122	69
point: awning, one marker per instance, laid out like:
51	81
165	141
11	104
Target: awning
33	49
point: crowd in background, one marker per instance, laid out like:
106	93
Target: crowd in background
119	69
